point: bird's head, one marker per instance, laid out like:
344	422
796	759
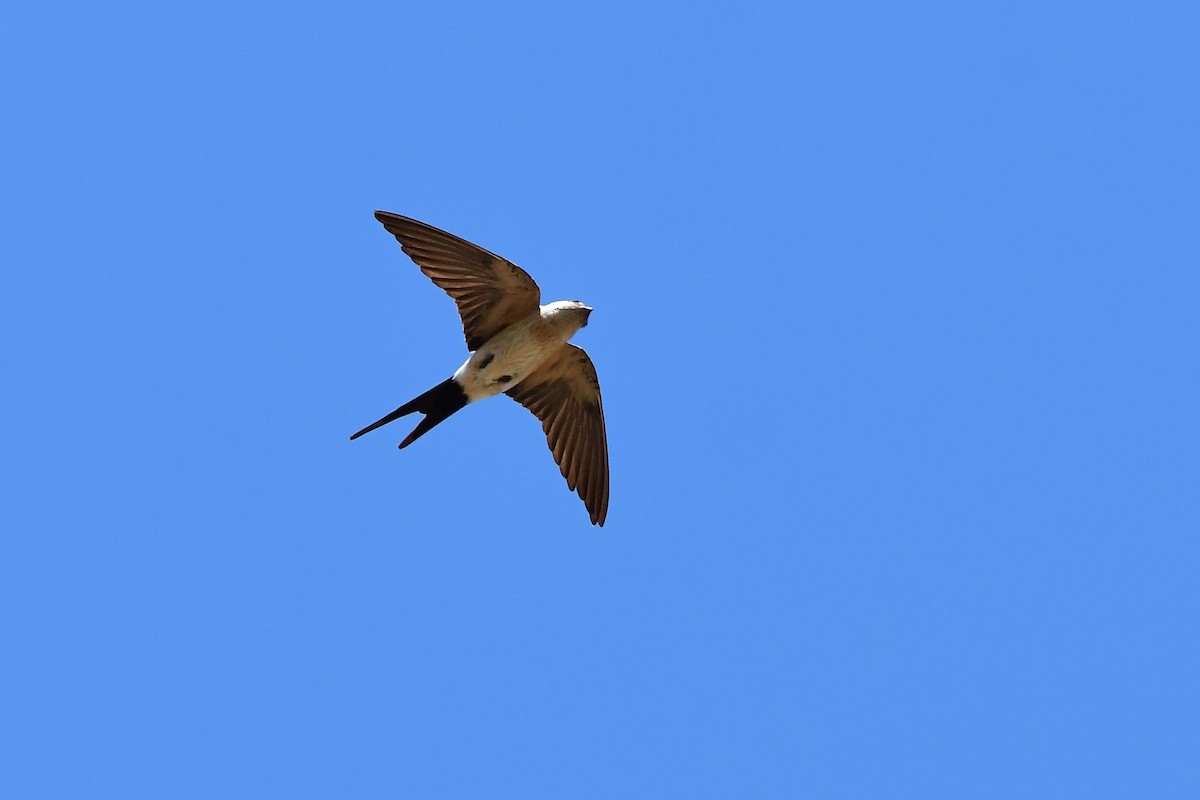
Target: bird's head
571	313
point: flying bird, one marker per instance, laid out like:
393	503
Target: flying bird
519	347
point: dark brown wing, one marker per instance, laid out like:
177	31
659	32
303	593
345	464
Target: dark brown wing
491	292
564	393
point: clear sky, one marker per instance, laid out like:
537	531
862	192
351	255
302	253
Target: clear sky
897	327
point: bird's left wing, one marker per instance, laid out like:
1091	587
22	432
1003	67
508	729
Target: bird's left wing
491	292
564	393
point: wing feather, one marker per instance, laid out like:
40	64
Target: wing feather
564	393
490	292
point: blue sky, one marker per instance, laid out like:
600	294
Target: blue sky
896	327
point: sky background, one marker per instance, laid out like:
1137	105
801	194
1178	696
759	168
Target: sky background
896	324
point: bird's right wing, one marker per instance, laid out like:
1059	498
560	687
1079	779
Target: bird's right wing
564	393
491	292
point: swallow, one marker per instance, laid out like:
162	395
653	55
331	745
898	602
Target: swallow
517	346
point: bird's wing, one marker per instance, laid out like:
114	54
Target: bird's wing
564	393
491	292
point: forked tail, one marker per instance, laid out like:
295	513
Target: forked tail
437	404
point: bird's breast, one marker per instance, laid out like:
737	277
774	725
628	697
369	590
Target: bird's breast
507	358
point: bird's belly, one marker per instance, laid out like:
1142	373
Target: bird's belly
507	359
